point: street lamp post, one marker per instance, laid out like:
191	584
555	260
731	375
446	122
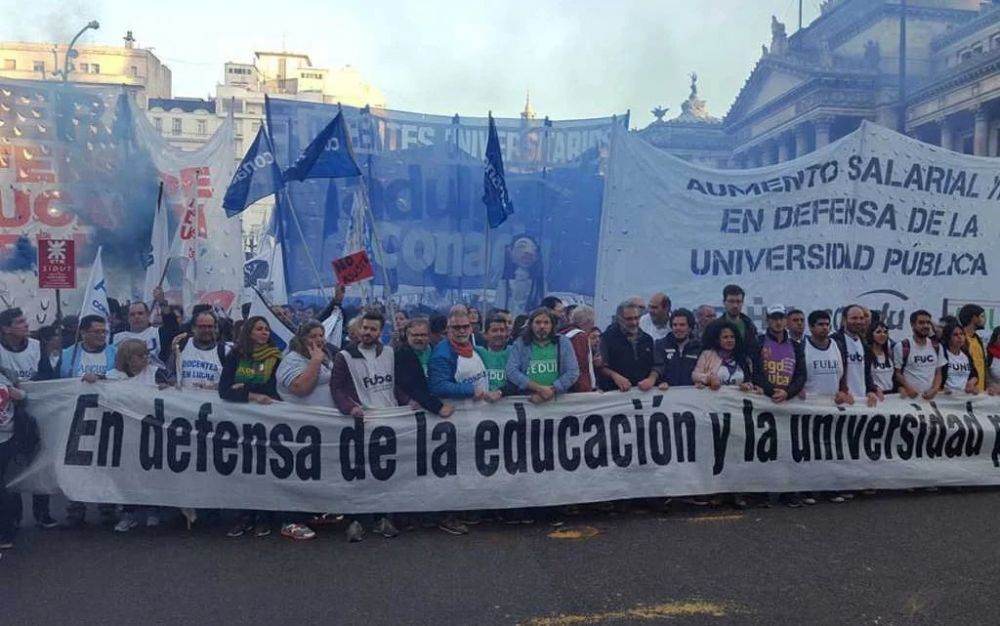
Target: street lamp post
64	72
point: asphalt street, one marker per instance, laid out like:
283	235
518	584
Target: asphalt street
889	559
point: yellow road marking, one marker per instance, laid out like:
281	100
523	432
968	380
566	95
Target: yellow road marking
722	517
656	611
574	532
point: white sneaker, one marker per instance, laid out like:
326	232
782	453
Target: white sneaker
125	523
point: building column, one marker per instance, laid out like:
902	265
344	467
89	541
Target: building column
822	126
801	140
981	137
947	137
784	149
756	157
770	151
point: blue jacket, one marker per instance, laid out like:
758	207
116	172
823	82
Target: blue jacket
441	373
520	359
67	367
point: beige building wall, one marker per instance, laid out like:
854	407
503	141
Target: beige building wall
104	65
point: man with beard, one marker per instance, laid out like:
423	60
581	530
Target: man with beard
412	360
857	356
732	300
197	360
918	359
626	353
541	362
972	317
363	378
675	355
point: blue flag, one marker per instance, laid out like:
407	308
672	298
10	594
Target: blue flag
257	176
329	155
498	203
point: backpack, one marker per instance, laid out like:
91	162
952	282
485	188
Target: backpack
905	348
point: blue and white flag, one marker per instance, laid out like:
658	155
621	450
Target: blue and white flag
328	155
499	206
95	294
280	331
257	176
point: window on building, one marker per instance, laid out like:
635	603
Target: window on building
95	68
995	42
202	128
38	66
236	104
134	71
238	129
254	127
158	123
9	64
84	67
965	55
175	128
977	49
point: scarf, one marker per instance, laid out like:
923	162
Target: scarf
995	351
463	349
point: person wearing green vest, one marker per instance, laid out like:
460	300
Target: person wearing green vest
494	354
542	363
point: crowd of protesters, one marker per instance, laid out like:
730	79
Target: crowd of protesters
432	362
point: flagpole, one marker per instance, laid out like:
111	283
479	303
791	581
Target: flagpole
377	244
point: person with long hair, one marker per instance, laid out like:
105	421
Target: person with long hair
993	363
304	373
959	374
724	360
522	280
880	353
249	374
541	362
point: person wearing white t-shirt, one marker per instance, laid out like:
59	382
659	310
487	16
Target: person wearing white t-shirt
959	373
857	356
304	372
655	322
825	368
196	360
157	340
20	353
918	360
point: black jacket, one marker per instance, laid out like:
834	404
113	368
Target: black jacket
672	365
798	380
633	361
411	379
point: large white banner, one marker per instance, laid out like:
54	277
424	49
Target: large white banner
875	218
122	443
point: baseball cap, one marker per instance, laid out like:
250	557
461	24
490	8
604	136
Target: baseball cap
776	310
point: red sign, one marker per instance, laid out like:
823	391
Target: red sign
56	264
353	268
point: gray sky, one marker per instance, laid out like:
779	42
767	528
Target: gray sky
579	58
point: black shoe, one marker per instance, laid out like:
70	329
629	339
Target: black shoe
47	522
